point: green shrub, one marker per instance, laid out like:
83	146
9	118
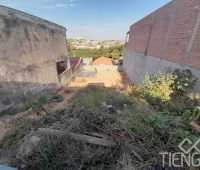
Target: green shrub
159	85
160	123
167	92
162	85
184	81
169	130
115	52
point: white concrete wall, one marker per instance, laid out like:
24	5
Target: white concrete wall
137	65
101	67
87	61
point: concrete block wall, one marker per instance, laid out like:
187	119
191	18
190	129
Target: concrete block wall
137	65
171	34
29	50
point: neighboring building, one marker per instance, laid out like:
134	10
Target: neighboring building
30	47
101	64
87	61
167	38
102	61
76	62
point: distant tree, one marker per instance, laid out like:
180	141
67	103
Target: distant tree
115	52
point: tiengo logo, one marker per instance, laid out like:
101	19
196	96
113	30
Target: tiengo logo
189	157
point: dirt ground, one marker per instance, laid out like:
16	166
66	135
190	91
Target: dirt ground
108	79
103	79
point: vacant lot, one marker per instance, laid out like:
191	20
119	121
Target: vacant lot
102	128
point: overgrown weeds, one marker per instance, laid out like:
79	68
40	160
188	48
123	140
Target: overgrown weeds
22	126
141	123
66	153
37	106
167	92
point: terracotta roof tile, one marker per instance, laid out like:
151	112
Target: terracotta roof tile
103	60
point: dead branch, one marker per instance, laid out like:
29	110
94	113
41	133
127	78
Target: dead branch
117	137
195	126
100	140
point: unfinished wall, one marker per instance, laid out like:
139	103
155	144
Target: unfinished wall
29	50
170	34
136	65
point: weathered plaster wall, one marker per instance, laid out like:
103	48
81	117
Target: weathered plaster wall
29	50
136	65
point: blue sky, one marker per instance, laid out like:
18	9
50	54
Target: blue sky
90	19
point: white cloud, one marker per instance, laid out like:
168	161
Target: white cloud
64	5
69	4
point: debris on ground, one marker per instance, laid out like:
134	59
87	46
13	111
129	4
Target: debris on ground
101	128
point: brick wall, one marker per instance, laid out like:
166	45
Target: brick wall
171	33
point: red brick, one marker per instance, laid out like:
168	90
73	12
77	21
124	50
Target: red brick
180	16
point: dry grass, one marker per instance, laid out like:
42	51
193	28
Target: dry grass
140	132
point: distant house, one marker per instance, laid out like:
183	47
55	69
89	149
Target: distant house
87	61
91	46
102	61
167	38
